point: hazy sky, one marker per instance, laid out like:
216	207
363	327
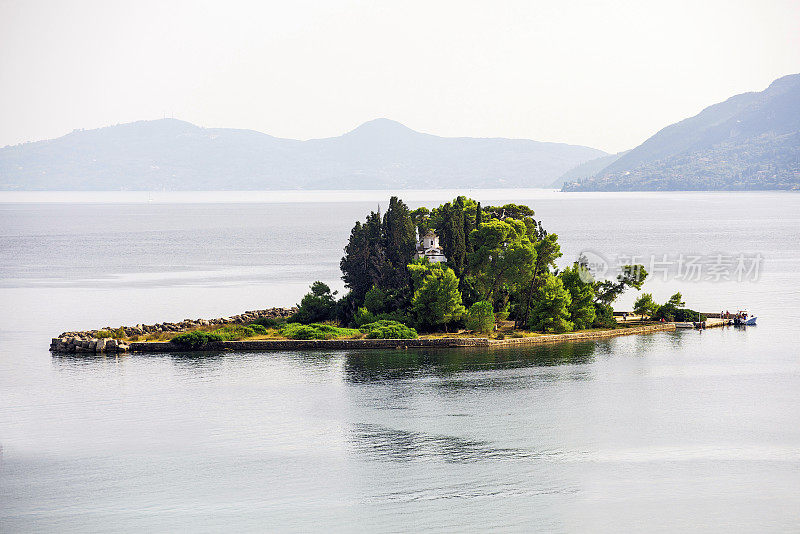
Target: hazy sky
607	74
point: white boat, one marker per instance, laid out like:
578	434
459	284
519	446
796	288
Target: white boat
743	319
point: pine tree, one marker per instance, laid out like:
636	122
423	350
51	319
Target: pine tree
550	313
580	284
437	300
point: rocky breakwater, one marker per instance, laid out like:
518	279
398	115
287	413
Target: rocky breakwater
110	339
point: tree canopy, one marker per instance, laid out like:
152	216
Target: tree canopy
500	263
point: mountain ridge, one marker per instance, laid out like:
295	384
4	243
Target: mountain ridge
178	155
748	141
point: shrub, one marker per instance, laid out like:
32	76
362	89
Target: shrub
375	300
316	331
196	338
386	329
480	317
318	305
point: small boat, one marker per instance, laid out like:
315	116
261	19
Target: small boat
743	319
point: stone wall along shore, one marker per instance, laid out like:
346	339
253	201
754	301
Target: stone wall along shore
359	344
95	341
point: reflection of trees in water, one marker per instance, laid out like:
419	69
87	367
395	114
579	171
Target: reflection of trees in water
366	366
378	442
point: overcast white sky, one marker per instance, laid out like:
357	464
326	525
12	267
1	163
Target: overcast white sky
607	74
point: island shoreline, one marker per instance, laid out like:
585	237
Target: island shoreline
255	345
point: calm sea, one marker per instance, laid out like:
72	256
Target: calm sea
685	431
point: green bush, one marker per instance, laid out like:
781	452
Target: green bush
196	338
387	329
480	317
316	331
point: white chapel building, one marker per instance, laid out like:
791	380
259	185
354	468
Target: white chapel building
428	247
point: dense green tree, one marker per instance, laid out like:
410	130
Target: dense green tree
437	300
480	317
547	252
318	305
604	316
399	242
376	300
520	213
550	312
453	222
503	259
645	305
364	263
577	280
355	264
422	219
510	211
379	250
501	255
449	220
467	224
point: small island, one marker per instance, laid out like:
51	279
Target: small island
459	275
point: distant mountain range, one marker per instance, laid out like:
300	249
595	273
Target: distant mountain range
749	142
380	154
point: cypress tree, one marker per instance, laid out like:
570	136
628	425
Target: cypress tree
357	263
467	226
399	242
458	255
